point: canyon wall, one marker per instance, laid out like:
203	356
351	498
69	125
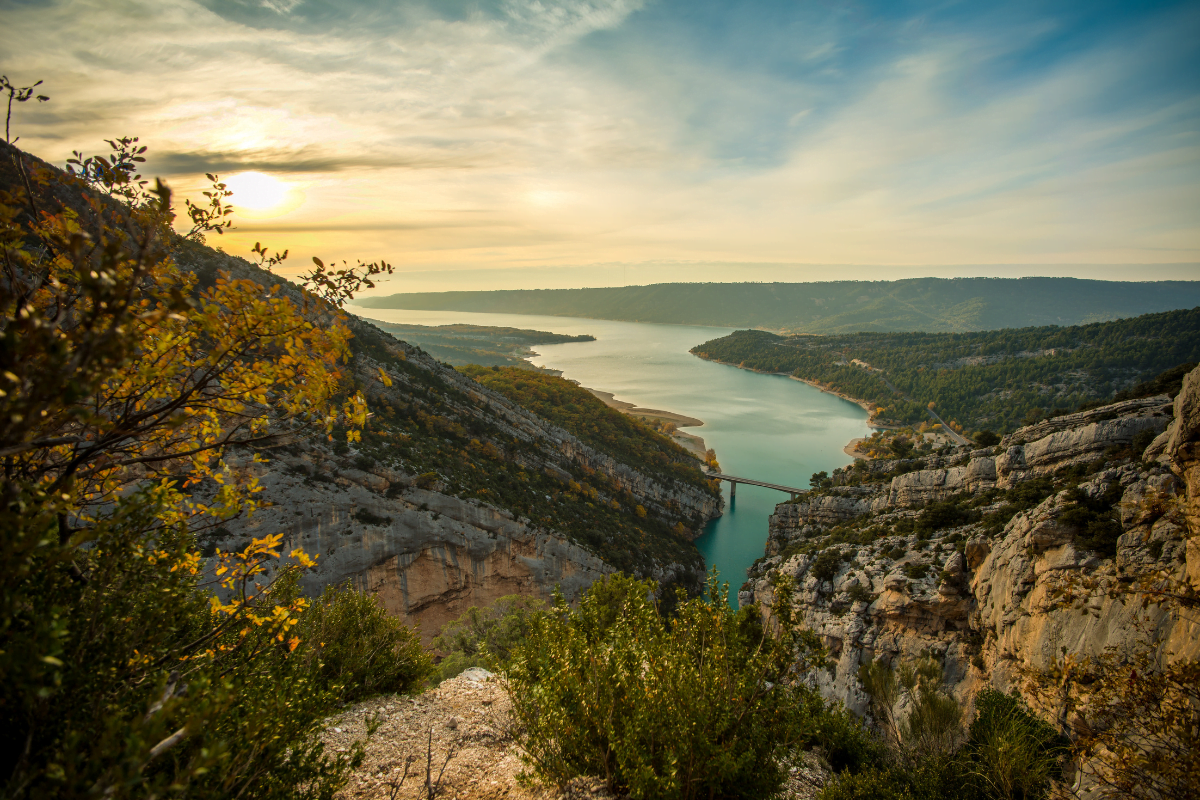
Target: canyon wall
996	604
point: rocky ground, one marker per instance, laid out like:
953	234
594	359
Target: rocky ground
461	725
464	725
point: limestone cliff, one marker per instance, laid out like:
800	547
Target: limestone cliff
456	495
967	556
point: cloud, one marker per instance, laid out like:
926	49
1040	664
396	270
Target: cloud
304	160
464	134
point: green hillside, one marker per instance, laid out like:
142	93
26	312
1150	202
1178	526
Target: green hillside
477	344
919	304
580	412
989	379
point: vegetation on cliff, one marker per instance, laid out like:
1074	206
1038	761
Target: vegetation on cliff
577	410
445	436
996	380
835	307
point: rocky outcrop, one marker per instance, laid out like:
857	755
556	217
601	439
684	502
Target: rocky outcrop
427	555
930	485
995	604
1077	438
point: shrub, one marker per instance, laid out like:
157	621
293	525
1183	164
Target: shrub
872	784
700	707
916	571
360	650
486	637
1142	440
946	514
859	593
138	653
826	565
1092	518
1013	753
1008	754
987	438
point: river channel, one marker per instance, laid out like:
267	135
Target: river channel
766	427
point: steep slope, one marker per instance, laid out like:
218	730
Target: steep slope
829	307
999	561
457	495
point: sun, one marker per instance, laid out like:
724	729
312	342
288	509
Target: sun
256	191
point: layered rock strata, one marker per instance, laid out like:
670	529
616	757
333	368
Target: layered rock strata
996	604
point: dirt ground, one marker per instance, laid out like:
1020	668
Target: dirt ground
468	714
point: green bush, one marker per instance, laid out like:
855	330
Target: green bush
360	649
698	706
1007	754
986	438
1013	753
1093	519
486	637
827	564
872	784
96	674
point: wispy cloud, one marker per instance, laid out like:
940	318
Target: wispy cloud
462	134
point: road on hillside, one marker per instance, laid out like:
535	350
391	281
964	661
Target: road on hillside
953	434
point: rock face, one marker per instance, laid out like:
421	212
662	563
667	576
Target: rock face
988	599
415	540
428	556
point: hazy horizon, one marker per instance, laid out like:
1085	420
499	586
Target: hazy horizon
488	144
596	276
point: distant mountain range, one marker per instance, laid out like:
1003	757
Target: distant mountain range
918	304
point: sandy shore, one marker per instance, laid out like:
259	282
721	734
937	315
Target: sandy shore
632	410
850	451
688	441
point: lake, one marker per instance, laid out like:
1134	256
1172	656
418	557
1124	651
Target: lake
766	427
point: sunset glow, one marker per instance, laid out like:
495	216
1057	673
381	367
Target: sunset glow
256	191
525	142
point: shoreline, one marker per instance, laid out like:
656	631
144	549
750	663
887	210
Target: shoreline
688	441
863	404
680	420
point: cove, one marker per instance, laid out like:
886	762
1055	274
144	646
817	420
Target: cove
766	427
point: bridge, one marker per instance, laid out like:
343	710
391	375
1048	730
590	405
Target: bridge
734	481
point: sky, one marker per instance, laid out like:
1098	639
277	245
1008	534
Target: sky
558	143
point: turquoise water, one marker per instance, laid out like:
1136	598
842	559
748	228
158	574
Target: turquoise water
766	427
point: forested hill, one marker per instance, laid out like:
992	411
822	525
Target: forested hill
983	380
919	304
477	344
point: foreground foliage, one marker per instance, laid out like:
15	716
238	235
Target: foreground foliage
126	670
486	637
704	704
